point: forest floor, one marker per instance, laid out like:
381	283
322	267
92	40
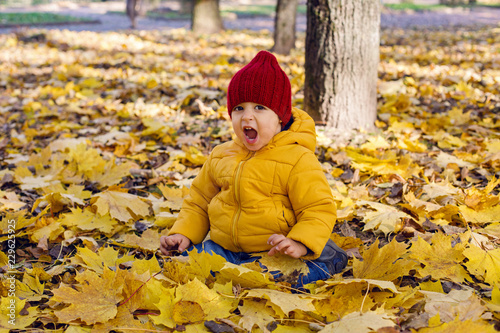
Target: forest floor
110	20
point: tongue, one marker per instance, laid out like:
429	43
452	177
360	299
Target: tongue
251	133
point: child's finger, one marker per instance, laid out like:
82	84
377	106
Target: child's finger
275	239
184	244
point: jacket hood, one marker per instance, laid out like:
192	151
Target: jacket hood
302	132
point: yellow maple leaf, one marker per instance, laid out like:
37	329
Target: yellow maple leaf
360	322
344	299
492	146
174	196
36	182
384	219
211	302
10	200
457	303
123	321
388	164
85	219
443	159
412	145
283	263
20	218
485	264
187	312
94	300
431	286
194	157
387	263
459	326
486	215
4	260
30	288
283	303
165	305
346	242
441	259
120	205
437	190
106	257
244	276
149	240
140	266
375	143
46	228
202	264
255	312
492	229
10	314
111	173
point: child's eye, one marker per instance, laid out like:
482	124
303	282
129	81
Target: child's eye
237	108
260	107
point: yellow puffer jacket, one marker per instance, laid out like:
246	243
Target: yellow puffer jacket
243	197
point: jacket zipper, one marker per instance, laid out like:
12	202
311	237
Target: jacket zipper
236	216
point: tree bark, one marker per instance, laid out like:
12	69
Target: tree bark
284	26
342	56
133	11
206	17
186	6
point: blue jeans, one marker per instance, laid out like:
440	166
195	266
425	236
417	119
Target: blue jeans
317	270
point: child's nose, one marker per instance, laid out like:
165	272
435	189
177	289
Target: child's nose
247	114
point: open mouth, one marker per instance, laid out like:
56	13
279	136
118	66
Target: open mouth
250	134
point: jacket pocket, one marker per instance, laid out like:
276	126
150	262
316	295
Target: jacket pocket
286	217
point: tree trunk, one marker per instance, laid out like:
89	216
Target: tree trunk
342	56
186	6
133	11
206	17
284	26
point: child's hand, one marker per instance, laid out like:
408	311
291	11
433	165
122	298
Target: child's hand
174	242
282	244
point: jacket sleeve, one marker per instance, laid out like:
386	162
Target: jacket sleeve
193	221
313	204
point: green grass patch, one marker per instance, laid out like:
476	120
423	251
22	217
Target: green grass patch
419	7
250	10
257	10
412	6
36	18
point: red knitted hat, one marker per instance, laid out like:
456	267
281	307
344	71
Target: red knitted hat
262	81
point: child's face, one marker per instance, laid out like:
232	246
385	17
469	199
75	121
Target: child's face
254	124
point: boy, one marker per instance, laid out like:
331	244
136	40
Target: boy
264	191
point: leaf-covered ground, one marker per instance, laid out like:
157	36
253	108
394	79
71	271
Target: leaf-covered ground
103	133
